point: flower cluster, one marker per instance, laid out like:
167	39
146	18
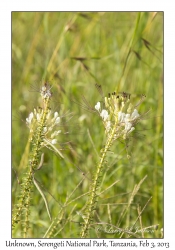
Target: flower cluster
50	132
45	91
43	125
119	112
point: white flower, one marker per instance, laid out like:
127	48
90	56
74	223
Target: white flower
57	120
127	117
128	126
45	91
55	133
54	141
29	119
97	106
121	116
50	128
104	114
43	88
135	114
55	115
44	129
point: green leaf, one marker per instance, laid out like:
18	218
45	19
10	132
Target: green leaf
43	196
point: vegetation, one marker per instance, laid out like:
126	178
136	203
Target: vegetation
84	56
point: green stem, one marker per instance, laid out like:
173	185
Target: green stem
93	192
36	149
27	205
22	209
26	188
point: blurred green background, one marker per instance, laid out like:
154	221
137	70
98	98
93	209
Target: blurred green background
122	51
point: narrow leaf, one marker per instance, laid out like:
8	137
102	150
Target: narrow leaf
53	147
43	196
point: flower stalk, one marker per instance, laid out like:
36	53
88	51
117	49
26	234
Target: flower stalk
93	192
119	117
43	133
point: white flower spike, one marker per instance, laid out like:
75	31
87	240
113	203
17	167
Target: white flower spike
104	114
119	115
97	106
